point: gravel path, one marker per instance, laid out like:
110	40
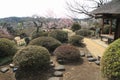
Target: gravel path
96	47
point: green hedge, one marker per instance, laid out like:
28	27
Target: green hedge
32	58
76	27
60	35
110	63
67	53
39	34
76	40
48	42
85	32
7	47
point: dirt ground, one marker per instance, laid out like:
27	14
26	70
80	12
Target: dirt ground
9	75
75	71
84	71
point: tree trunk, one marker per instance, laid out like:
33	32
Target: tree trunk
37	29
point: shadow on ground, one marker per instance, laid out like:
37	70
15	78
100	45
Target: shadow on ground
79	62
33	75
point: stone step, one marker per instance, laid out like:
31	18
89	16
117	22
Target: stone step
60	61
82	54
15	69
89	55
59	68
58	74
52	65
97	62
91	59
11	65
54	78
4	69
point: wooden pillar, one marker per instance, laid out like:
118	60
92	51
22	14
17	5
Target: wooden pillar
102	28
110	29
117	30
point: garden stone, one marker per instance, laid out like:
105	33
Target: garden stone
4	69
60	68
92	59
58	74
11	65
97	62
89	55
51	61
52	65
82	54
15	69
60	61
99	58
54	78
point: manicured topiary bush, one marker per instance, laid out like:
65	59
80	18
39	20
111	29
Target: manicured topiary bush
32	58
84	32
39	34
60	35
110	63
7	47
48	42
68	53
75	27
76	40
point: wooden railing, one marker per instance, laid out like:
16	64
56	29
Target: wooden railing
108	37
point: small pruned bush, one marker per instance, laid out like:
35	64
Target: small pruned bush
48	42
110	63
32	58
75	27
84	32
39	34
68	53
76	40
60	35
7	47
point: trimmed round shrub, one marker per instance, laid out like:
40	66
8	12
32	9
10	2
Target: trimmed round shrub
75	40
75	27
84	32
39	34
60	35
110	63
67	53
7	47
32	58
48	42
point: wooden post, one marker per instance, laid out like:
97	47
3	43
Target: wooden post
102	26
110	29
117	30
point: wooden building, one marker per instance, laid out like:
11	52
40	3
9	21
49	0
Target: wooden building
111	11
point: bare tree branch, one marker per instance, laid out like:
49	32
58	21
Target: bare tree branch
79	8
38	22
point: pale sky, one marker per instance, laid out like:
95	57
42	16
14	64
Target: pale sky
22	8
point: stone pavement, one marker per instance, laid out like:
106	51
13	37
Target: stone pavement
95	46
